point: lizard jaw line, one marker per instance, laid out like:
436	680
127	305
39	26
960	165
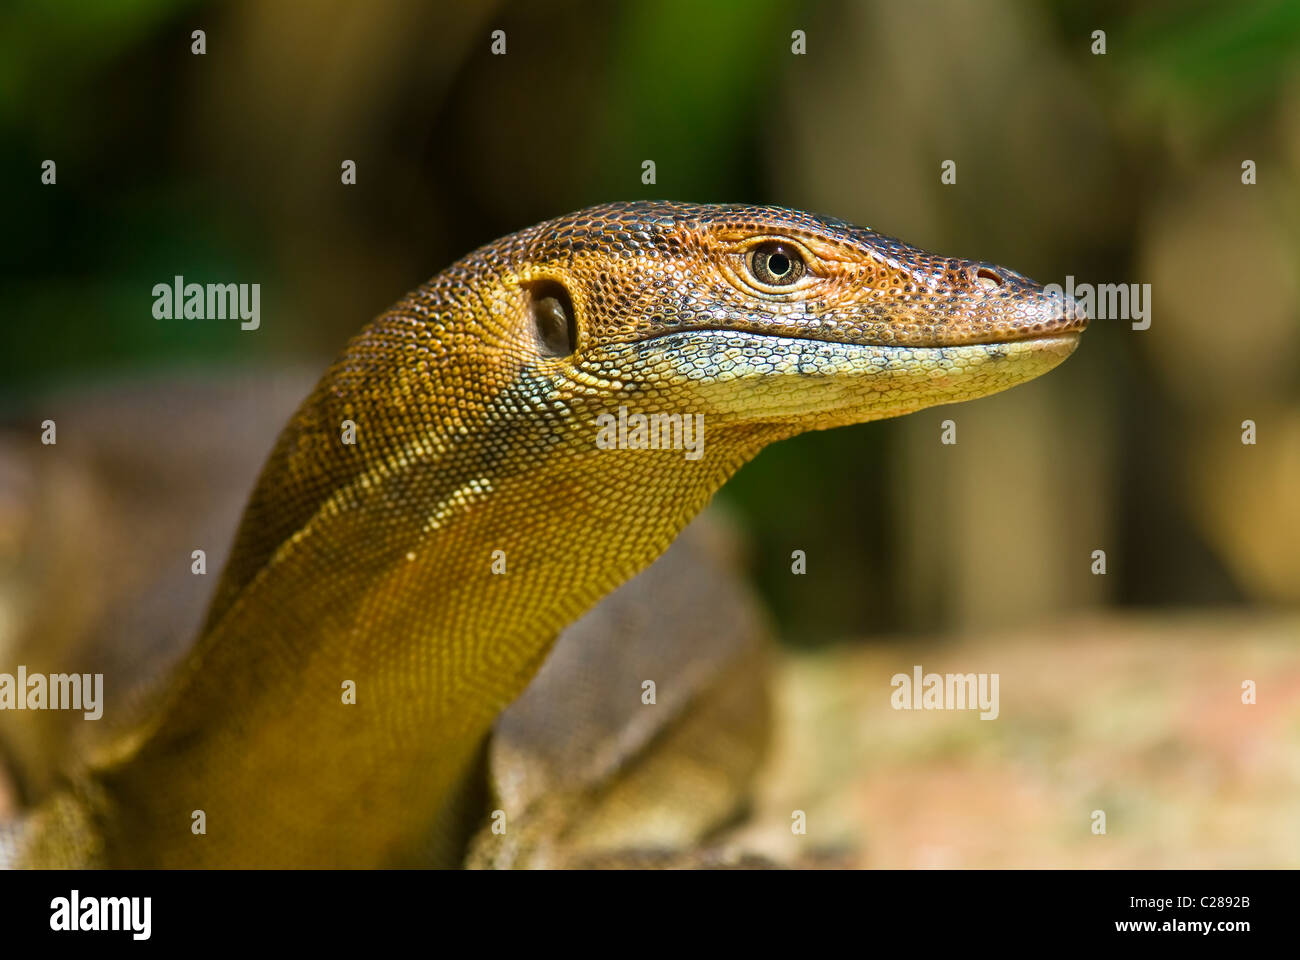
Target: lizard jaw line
1068	335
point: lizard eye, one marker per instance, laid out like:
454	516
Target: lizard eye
776	264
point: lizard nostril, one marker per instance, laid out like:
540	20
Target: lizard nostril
989	279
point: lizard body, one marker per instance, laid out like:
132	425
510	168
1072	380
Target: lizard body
474	402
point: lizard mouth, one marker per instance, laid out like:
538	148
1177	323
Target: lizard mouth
931	333
1063	329
834	382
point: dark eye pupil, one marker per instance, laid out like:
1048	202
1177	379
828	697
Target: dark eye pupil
775	264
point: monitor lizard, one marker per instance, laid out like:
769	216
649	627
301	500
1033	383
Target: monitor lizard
428	565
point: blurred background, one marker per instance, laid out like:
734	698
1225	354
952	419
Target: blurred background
1117	168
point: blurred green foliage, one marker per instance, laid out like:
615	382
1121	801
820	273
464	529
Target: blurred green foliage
225	167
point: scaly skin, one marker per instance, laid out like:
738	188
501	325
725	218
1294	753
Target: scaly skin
476	432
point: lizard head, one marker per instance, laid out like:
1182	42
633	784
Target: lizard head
767	317
504	379
506	376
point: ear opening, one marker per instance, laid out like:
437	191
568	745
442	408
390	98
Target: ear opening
553	318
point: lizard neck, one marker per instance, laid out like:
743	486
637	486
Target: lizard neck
358	664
